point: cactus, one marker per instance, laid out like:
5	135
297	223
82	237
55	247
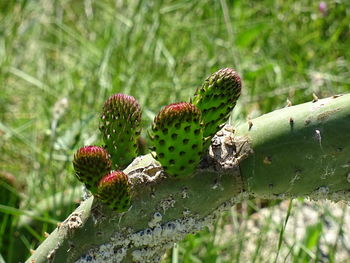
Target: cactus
216	99
306	153
121	127
177	138
299	150
91	163
114	190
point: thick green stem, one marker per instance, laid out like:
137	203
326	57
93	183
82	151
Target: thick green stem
297	151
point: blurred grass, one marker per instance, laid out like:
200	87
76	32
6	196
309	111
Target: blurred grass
59	60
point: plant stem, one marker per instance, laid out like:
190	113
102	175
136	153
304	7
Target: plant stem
297	151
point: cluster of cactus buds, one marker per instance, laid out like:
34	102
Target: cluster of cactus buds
92	165
180	134
120	128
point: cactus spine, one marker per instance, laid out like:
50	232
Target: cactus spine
121	127
177	135
114	190
216	99
91	163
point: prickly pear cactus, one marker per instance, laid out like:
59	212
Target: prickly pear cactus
216	99
114	190
121	127
91	163
177	136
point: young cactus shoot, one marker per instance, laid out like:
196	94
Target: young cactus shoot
216	99
91	163
114	191
121	127
177	136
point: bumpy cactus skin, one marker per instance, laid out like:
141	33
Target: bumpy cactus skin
216	99
177	135
91	163
121	127
114	190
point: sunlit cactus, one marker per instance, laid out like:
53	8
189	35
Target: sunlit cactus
177	134
297	151
91	163
121	127
114	191
216	99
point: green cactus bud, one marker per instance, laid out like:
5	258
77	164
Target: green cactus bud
177	136
91	163
114	190
121	127
216	99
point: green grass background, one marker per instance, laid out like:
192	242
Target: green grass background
59	61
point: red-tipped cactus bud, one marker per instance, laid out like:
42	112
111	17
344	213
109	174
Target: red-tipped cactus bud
121	127
91	163
177	137
114	190
216	99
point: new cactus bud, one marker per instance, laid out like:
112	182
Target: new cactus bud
177	136
114	191
91	163
121	127
216	99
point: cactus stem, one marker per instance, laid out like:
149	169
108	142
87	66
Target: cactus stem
296	165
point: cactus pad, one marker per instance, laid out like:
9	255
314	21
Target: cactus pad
121	127
216	99
177	136
114	190
91	163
